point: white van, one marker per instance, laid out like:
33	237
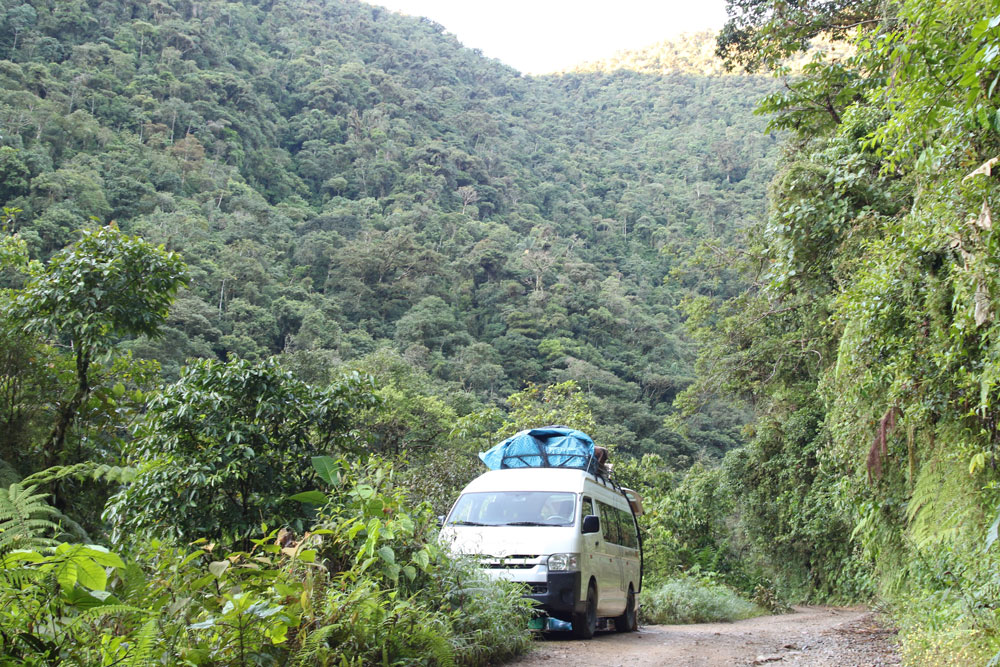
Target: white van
569	534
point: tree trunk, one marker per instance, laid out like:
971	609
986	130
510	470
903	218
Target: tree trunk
67	415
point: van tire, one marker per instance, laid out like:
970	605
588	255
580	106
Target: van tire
627	622
585	624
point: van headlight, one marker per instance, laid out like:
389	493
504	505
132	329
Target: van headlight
564	562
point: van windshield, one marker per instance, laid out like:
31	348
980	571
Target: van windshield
514	508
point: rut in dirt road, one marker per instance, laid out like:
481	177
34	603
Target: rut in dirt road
811	636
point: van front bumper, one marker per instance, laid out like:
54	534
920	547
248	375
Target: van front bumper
559	595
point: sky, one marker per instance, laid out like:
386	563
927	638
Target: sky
542	36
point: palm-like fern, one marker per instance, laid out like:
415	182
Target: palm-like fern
85	470
143	645
25	519
943	502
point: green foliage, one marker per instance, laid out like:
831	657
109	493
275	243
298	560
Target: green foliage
684	519
342	179
85	470
105	286
413	414
32	374
944	499
878	261
52	595
787	506
23	519
762	33
814	102
348	187
439	476
399	596
947	613
368	585
220	450
559	404
692	600
946	51
690	53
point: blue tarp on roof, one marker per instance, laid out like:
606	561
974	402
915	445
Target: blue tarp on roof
548	447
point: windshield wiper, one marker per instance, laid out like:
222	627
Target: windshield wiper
467	523
528	523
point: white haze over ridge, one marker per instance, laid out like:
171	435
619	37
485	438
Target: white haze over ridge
542	36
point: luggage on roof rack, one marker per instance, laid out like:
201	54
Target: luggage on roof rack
547	447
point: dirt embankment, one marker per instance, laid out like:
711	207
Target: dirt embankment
813	636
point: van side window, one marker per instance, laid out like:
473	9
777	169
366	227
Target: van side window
609	523
627	526
586	509
618	525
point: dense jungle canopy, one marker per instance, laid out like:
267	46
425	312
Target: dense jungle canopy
341	179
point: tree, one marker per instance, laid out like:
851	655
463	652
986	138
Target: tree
469	195
762	33
14	174
223	448
105	287
31	373
559	404
430	322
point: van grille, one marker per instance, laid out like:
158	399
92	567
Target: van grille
514	562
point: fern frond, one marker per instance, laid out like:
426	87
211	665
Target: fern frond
16	539
433	642
942	504
143	645
134	585
87	469
316	644
21	577
22	519
112	610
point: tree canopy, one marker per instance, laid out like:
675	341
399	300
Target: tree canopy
341	179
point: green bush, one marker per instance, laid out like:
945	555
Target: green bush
945	603
222	449
399	598
367	586
690	600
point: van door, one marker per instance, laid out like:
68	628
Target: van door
631	558
590	552
612	595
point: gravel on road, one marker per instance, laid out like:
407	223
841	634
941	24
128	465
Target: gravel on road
813	636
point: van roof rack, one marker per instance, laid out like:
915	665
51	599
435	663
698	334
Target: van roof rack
554	446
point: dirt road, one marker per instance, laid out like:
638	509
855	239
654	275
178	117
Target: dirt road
813	636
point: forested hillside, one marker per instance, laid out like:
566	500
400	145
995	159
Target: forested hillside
340	179
274	272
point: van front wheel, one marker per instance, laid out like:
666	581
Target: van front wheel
627	621
585	624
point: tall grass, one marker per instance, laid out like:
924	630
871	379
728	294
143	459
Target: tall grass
690	600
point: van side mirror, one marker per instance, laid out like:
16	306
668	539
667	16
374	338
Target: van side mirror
591	524
440	520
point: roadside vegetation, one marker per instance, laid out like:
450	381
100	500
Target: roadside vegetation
365	584
867	339
692	600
